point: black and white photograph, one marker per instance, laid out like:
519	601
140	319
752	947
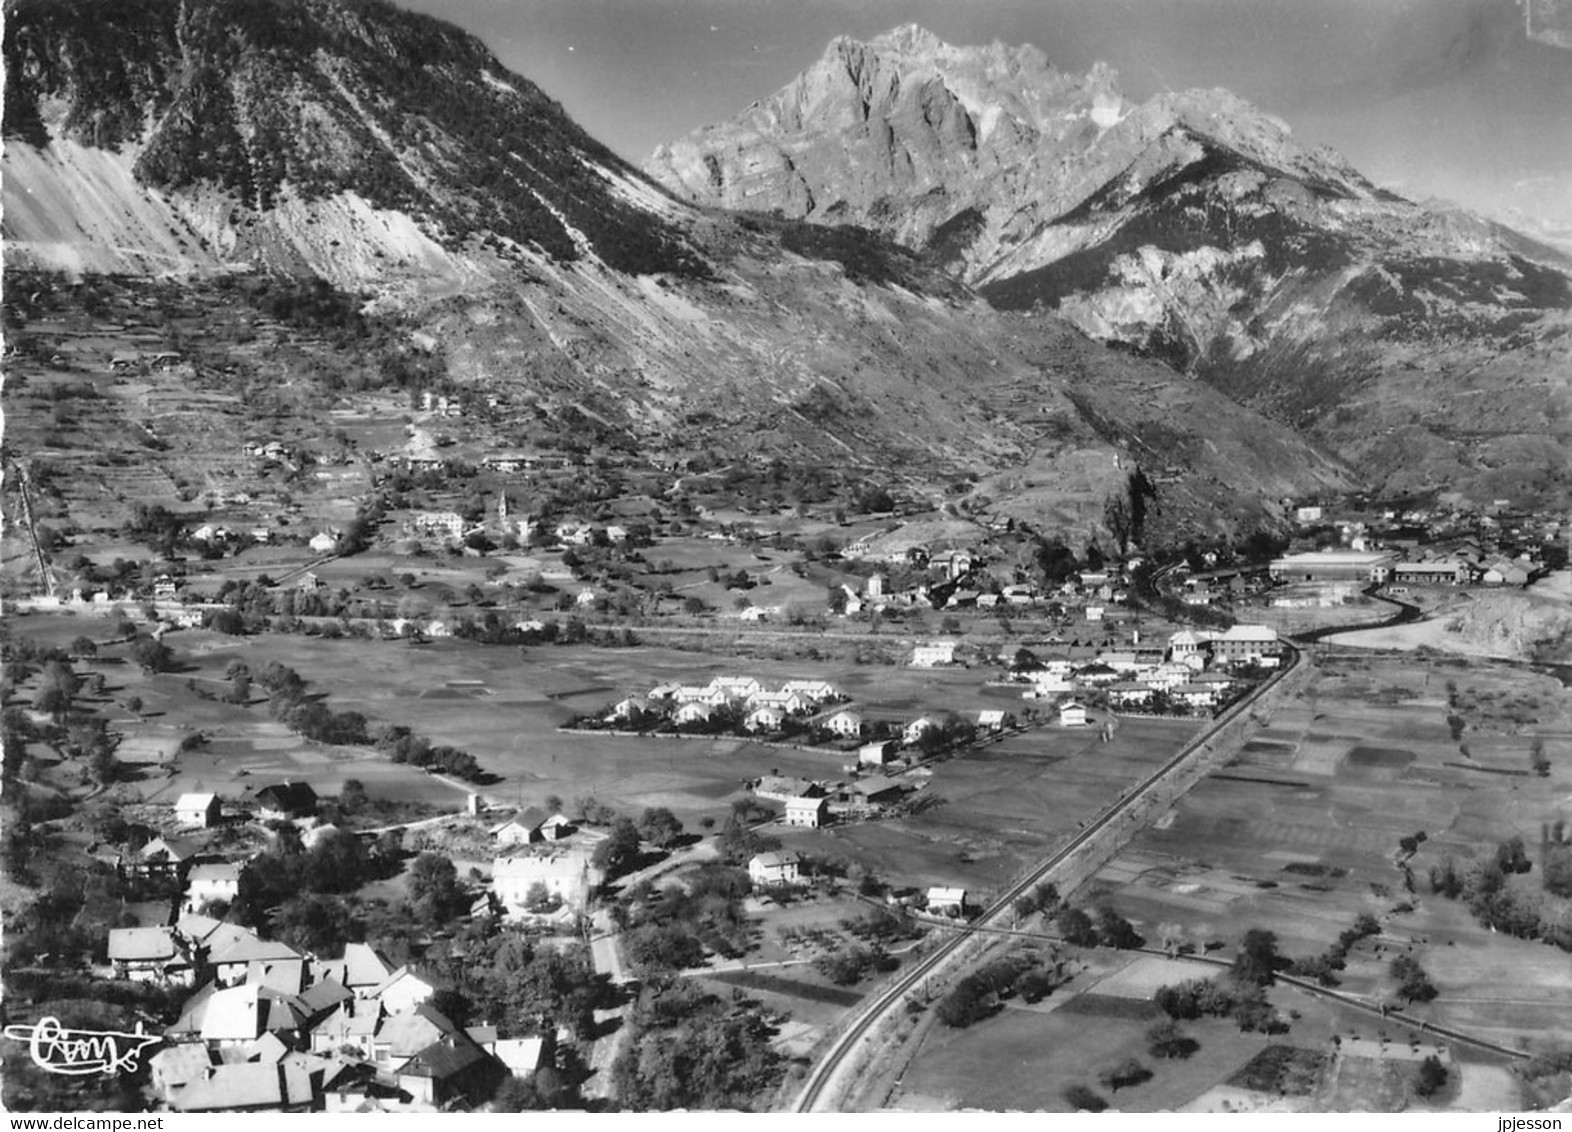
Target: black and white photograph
787	556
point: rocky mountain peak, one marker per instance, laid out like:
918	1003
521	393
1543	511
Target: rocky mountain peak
909	39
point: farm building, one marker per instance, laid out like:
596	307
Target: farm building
1072	714
994	720
933	655
1444	572
779	867
1333	566
523	828
198	811
806	812
286	800
947	901
876	754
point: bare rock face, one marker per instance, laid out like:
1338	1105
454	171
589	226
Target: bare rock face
394	156
1191	228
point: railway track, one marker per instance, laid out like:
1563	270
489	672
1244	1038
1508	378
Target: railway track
823	1074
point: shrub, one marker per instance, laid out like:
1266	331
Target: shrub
1083	1099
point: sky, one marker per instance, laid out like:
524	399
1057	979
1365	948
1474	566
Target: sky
1465	101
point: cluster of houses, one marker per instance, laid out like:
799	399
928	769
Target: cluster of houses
766	710
962	585
1194	670
813	804
269	1028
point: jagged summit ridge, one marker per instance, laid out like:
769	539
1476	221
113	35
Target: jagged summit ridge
971	149
1192	227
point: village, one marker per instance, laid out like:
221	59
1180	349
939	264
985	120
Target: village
400	757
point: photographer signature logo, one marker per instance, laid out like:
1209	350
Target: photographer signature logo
79	1053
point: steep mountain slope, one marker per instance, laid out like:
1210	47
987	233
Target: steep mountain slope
264	106
1191	228
390	153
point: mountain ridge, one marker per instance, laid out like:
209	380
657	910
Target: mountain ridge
1191	228
578	287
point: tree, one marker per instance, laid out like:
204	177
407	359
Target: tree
57	688
86	646
1413	984
619	850
1556	869
312	922
1431	1077
1127	1072
1076	927
153	656
352	795
1120	524
1258	961
240	689
660	827
1117	932
1512	856
1537	761
539	898
1166	1040
971	1001
434	890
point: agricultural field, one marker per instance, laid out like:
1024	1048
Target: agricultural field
1343	804
1005	804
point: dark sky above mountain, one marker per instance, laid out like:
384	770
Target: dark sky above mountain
1467	100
